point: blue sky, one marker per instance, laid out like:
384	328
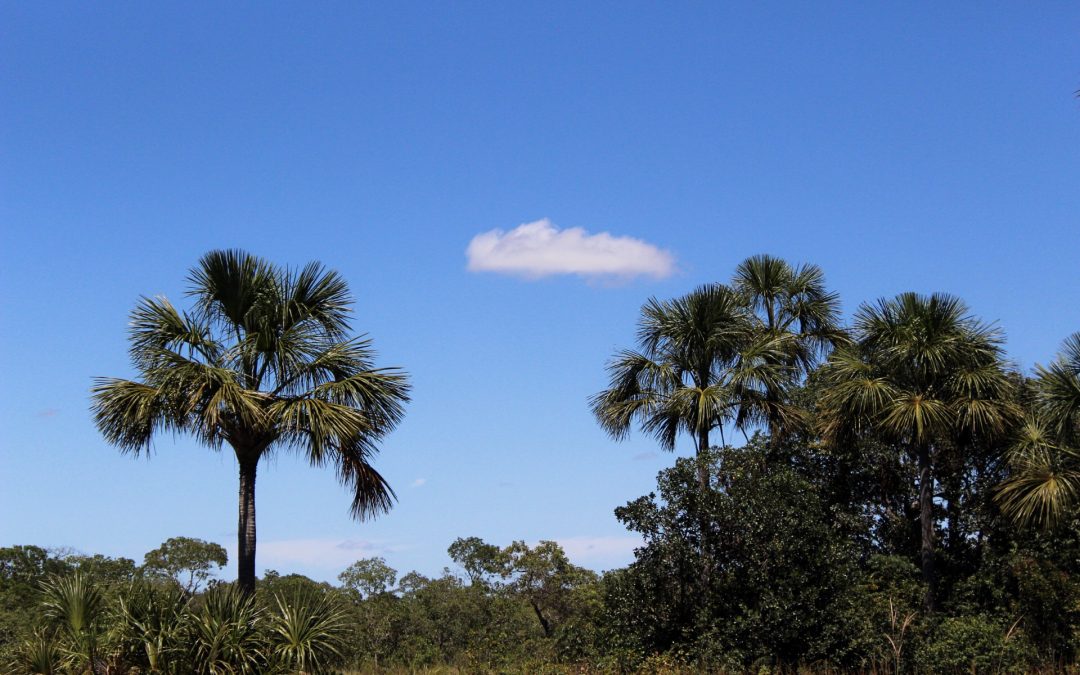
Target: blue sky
920	146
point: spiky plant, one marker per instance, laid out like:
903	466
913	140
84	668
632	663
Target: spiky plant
307	631
75	609
41	654
263	362
227	633
152	619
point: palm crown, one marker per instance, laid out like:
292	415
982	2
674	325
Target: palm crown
262	362
723	355
1045	456
920	372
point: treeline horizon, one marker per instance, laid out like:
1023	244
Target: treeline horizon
903	499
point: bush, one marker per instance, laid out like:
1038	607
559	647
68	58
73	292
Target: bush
973	644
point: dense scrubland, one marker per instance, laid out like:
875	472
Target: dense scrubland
900	499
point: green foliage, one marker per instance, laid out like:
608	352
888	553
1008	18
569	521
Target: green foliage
74	608
542	576
369	577
191	562
481	561
152	626
22	569
308	631
779	583
226	633
1045	486
973	644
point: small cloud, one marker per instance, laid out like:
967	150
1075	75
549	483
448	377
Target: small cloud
48	412
606	552
539	249
327	554
418	482
642	456
354	545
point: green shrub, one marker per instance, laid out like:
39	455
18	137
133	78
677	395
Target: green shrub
973	644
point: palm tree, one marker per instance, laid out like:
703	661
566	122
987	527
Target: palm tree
921	372
263	363
793	307
699	367
1045	457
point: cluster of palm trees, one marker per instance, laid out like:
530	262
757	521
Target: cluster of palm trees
917	371
723	356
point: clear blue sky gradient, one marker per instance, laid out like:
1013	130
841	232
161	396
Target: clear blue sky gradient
913	146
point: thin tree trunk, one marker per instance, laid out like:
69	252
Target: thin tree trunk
543	622
245	532
926	522
702	469
703	519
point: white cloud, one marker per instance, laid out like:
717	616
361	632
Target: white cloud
418	482
602	552
539	249
334	554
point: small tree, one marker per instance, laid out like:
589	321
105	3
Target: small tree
190	561
369	577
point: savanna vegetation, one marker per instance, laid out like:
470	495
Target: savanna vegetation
889	496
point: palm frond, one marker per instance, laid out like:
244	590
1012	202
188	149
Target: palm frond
1058	386
372	494
1043	488
129	414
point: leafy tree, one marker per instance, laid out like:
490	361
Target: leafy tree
1046	456
922	372
104	570
783	583
262	363
541	575
369	577
22	569
191	562
481	561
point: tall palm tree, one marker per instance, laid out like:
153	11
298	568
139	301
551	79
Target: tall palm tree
920	372
792	306
263	363
699	367
1045	483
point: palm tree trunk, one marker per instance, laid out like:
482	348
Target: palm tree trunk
245	532
703	519
926	522
702	451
